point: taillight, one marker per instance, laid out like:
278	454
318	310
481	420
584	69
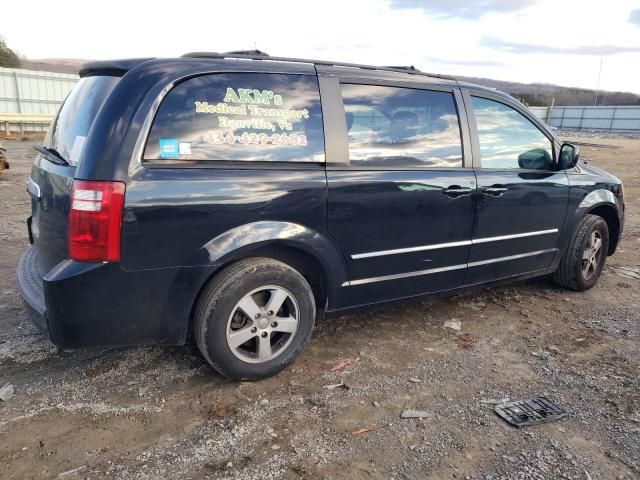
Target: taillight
94	221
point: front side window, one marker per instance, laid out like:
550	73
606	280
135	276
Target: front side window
240	117
508	139
401	127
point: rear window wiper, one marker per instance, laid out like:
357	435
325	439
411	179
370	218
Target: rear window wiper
51	154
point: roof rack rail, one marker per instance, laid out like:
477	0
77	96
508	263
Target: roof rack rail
252	55
408	68
254	52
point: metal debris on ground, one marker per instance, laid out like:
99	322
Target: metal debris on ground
453	324
414	380
71	472
532	411
342	365
6	392
376	404
360	431
627	272
465	341
341	385
414	414
4	164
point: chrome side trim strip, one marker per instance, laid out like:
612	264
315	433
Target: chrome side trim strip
511	257
397	276
515	235
460	243
418	273
421	248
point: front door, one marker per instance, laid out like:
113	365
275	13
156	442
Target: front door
401	207
521	197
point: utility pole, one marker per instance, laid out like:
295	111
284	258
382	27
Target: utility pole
598	84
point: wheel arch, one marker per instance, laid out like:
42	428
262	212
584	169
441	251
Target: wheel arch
310	252
609	214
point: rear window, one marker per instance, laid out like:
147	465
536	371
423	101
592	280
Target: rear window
77	114
240	117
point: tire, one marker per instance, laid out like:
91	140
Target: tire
572	272
273	338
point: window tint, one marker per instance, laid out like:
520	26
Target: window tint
508	139
240	117
401	127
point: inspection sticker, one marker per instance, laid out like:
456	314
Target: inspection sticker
185	148
169	148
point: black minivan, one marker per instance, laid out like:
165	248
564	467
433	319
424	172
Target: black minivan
237	195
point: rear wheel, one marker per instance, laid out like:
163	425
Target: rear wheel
254	318
583	261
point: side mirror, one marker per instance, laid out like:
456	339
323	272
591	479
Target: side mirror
536	159
569	156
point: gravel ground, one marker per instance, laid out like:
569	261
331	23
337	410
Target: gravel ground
162	412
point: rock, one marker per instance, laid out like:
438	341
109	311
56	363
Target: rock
414	380
453	324
414	414
376	404
264	401
6	392
142	391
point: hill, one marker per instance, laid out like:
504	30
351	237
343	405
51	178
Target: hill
533	94
542	94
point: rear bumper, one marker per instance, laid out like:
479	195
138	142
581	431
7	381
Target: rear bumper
81	304
29	279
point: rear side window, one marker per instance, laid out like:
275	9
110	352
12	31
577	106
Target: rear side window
395	127
240	117
77	114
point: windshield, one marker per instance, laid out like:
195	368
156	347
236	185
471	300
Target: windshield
69	130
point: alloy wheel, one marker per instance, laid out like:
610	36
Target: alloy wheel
592	255
262	324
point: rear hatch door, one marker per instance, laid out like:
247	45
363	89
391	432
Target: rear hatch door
53	171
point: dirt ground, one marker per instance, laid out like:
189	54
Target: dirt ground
159	412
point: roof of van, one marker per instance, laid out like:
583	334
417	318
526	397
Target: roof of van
120	67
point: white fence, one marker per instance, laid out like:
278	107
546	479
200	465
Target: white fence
612	119
29	99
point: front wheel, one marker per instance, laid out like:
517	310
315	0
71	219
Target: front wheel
584	259
254	318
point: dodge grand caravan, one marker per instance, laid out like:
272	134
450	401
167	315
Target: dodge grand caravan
236	195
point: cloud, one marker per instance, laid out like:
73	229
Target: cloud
464	63
634	17
599	50
468	9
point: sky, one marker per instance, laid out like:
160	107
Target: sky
548	41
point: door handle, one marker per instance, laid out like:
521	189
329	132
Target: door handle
495	190
456	191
